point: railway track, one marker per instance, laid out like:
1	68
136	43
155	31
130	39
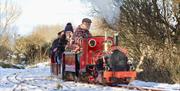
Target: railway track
143	88
12	78
124	86
32	82
139	88
19	83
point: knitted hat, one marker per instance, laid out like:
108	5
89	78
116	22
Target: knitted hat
68	27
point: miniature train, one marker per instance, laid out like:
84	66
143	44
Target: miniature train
101	60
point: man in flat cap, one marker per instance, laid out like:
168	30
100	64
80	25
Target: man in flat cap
82	31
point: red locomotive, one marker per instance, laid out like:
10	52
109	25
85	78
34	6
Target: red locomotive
101	61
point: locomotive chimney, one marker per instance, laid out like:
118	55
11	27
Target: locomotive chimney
116	38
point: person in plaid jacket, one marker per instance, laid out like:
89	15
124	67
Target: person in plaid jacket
82	31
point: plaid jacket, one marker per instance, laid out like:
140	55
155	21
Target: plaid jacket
79	34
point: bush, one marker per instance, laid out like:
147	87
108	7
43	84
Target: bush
4	52
36	46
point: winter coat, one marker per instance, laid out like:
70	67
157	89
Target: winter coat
79	34
58	45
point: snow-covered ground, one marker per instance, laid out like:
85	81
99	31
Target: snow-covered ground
38	78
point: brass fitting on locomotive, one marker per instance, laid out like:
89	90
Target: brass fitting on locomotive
107	43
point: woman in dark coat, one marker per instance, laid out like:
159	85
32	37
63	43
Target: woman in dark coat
58	47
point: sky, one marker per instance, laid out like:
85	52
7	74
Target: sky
49	12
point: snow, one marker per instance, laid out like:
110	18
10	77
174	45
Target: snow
38	78
165	86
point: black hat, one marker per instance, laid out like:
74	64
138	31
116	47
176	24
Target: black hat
69	23
87	20
68	27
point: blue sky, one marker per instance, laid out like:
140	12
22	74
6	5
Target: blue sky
49	12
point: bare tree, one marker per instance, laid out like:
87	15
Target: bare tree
149	29
9	12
